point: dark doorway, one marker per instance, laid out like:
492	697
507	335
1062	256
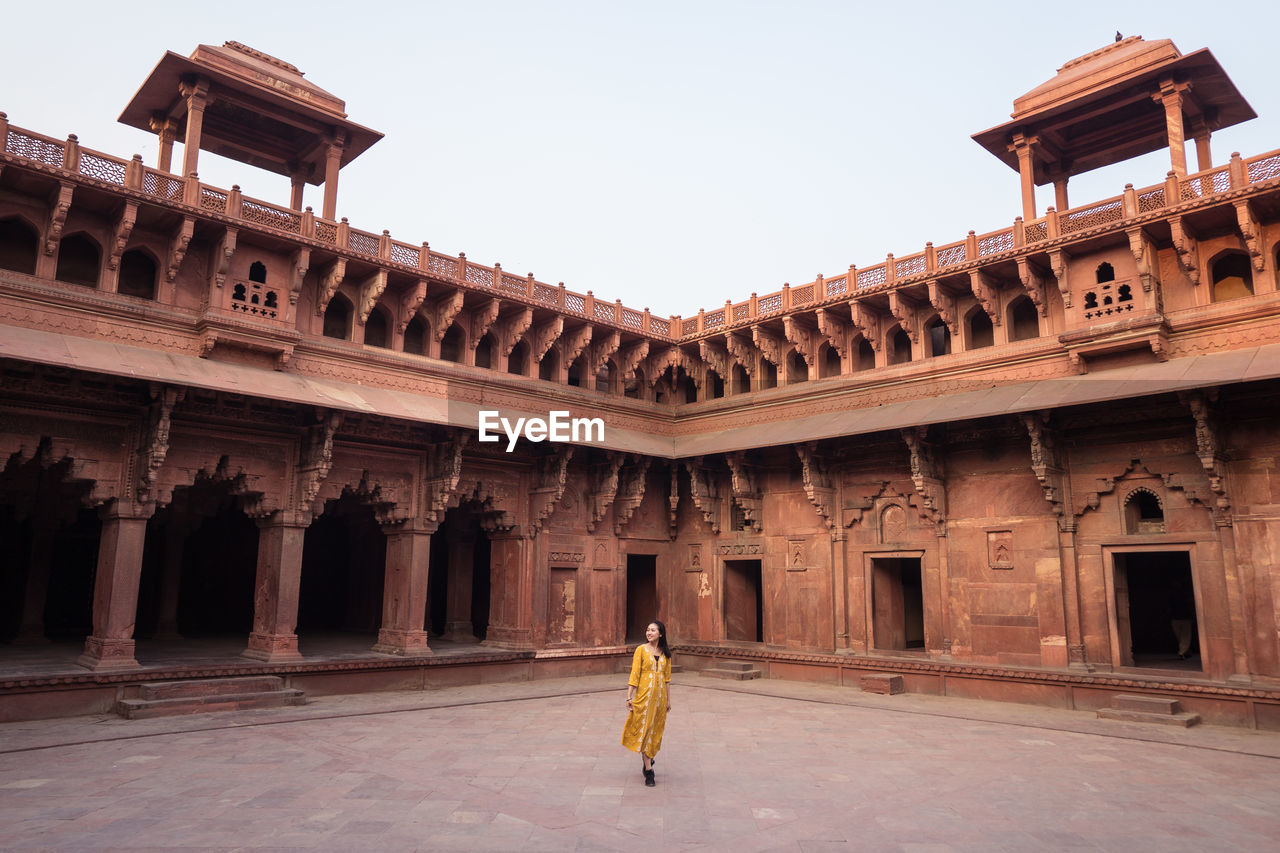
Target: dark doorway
897	602
343	563
1156	610
743	601
642	594
458	579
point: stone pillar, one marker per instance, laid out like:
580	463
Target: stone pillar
275	597
171	577
1171	98
1022	146
297	183
31	625
167	130
457	611
1060	194
115	592
197	95
1076	657
332	163
404	592
840	587
511	592
1204	157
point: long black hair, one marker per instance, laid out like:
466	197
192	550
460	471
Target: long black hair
662	638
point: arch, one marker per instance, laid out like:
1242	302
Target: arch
452	344
1023	319
415	336
258	272
797	369
518	360
866	359
79	260
714	385
377	328
337	318
828	361
937	337
635	385
741	379
1104	273
1232	276
979	332
549	367
1143	512
605	376
899	346
137	274
768	374
19	245
574	374
485	350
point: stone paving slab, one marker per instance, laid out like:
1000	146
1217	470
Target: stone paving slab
537	766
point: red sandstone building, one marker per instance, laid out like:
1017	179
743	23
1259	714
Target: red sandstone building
240	437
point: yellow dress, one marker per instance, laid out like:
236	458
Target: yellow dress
649	676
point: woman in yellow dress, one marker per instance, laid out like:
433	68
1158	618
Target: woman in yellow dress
648	697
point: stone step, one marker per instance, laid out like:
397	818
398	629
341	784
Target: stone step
1184	720
880	682
1149	704
733	670
197	688
139	709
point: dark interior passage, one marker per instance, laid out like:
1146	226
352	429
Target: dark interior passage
458	579
743	601
897	597
642	595
1155	600
343	566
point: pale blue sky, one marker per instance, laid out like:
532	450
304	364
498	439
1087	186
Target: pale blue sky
670	154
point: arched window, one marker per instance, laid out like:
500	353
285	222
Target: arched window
485	350
1143	512
866	355
137	275
830	361
549	367
376	333
741	380
899	347
768	374
797	370
714	385
1023	319
938	337
78	260
415	336
519	358
981	332
683	380
19	246
452	343
1105	273
258	272
337	318
1232	277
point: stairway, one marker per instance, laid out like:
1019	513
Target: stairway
733	669
1148	709
198	696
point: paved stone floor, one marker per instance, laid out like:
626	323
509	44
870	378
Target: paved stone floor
537	766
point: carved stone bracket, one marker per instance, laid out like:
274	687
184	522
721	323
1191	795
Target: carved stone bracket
386	500
330	281
904	311
743	353
745	490
1058	263
1188	248
409	305
315	456
944	302
772	348
572	345
603	486
599	351
178	242
121	228
59	207
1251	232
716	357
628	359
299	263
441	313
1035	283
926	474
1047	465
480	318
860	498
838	333
867	321
440	476
543	336
706	497
155	440
986	291
220	259
673	502
817	482
1144	257
509	330
669	359
806	340
630	493
1209	451
549	486
371	290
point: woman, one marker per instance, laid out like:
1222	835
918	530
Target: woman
648	697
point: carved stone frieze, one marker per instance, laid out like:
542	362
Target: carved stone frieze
859	498
630	492
817	482
926	475
155	441
1208	450
745	490
706	494
315	455
1047	465
440	477
549	484
603	486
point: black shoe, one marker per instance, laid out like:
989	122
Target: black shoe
648	779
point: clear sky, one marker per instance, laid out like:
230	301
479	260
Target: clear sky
669	154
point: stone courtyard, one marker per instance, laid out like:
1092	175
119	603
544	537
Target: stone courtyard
768	765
